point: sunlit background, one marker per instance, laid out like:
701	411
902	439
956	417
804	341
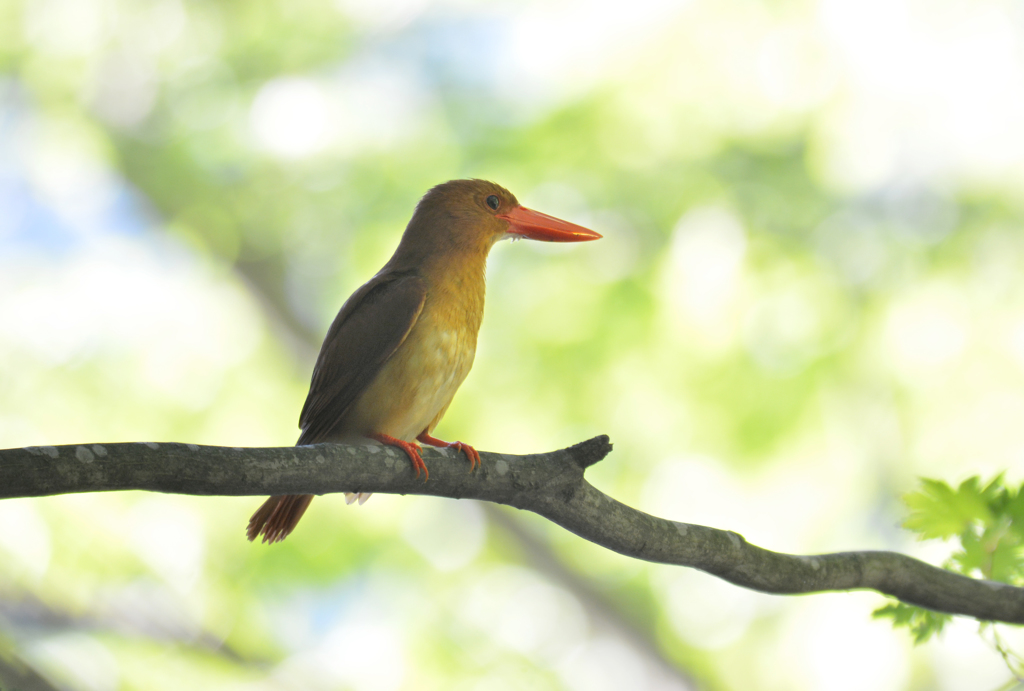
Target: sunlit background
809	293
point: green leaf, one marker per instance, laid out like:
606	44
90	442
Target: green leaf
974	557
989	522
939	511
923	623
1013	508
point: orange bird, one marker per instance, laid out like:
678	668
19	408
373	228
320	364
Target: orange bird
403	343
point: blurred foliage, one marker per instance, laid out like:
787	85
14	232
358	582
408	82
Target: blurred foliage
807	295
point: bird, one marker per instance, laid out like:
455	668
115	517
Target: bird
403	343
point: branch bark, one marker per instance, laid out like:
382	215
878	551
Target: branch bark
549	484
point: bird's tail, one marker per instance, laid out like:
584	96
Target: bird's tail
277	517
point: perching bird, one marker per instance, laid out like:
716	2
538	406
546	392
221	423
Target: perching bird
403	343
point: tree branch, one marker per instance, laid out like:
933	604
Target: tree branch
549	484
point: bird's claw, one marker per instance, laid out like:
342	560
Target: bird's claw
411	449
417	460
471	453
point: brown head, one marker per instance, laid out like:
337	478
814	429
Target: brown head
464	218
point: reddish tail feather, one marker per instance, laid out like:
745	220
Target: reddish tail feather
277	517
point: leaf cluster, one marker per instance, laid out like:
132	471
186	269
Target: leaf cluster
986	519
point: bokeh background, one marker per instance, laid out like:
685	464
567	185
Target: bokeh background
808	294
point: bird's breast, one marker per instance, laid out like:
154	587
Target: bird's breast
415	386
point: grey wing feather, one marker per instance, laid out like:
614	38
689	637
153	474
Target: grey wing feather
368	330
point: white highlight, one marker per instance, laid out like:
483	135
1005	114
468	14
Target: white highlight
706	262
290	117
79	658
369	106
525	613
705	611
169	537
125	89
605	664
554	52
25	539
926	331
386	15
176	332
927	89
448	534
822	634
67	27
364	655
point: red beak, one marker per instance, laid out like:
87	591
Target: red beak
537	226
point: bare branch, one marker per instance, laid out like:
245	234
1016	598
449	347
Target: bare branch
549	484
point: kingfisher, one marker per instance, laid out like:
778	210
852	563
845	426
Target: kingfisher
403	343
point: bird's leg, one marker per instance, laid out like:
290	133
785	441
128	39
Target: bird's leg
411	449
471	453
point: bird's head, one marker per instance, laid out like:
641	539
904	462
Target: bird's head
469	216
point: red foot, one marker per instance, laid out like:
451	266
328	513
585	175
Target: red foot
471	453
411	449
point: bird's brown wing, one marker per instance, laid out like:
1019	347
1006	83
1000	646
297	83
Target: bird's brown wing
368	330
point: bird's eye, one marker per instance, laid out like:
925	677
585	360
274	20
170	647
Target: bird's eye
493	202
